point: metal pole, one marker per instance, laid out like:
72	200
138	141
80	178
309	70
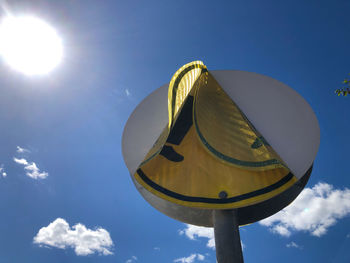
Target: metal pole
227	239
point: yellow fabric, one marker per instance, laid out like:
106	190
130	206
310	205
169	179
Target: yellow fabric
225	129
209	147
180	85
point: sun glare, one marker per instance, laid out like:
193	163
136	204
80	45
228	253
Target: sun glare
29	45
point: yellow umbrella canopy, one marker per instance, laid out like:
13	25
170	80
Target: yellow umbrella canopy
210	155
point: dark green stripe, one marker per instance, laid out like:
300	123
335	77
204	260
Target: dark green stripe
238	198
225	157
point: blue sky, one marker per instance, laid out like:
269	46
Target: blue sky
69	123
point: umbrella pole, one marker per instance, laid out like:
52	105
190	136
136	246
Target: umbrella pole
227	239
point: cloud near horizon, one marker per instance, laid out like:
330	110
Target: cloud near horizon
31	169
84	241
314	211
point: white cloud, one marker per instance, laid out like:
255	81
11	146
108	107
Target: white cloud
131	260
192	232
190	259
34	172
314	211
84	241
293	245
2	171
157	248
20	161
282	230
127	92
31	169
22	150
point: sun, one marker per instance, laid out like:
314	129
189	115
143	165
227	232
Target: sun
29	45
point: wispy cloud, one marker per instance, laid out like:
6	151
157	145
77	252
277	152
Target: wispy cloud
127	92
190	259
157	248
2	171
22	150
31	169
84	241
293	245
131	260
314	211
